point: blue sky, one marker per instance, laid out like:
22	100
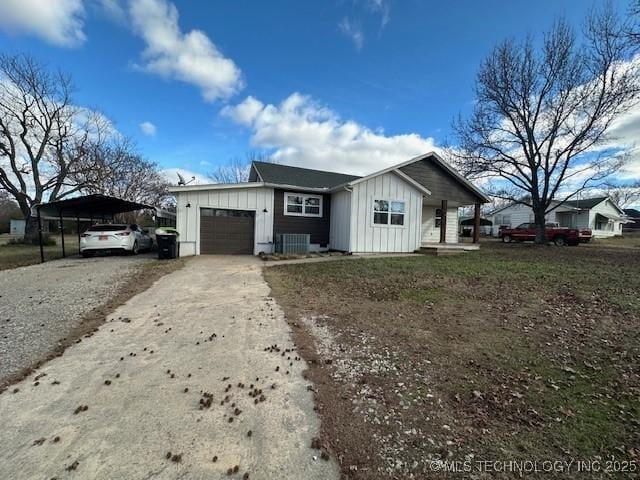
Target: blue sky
347	85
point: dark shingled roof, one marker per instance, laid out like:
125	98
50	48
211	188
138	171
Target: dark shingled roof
632	212
300	177
585	202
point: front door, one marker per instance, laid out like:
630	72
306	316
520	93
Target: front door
430	224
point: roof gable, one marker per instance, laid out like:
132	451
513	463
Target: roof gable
585	203
302	177
589	203
444	182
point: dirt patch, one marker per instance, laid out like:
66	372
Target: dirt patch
138	281
513	353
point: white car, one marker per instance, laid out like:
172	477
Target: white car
102	237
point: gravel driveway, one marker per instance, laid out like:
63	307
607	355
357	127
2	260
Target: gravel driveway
41	304
195	378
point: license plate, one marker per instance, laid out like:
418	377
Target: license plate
103	237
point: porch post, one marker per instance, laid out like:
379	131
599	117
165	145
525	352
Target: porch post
443	222
40	234
476	224
64	253
78	228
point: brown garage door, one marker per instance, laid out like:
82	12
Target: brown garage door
228	232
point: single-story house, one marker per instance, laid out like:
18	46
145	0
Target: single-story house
633	220
600	214
398	209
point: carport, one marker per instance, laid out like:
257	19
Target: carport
92	207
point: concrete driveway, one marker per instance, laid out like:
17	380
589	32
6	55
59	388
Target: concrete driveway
153	383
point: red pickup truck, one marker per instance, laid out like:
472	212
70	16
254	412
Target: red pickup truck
560	236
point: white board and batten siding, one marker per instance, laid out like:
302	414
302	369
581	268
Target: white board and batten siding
364	235
257	199
451	235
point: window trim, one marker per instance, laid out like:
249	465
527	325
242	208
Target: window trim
389	213
304	198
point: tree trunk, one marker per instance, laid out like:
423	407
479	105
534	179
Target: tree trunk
540	221
31	229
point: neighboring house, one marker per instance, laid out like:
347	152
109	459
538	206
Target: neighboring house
397	209
600	214
633	220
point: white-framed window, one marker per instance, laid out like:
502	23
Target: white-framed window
302	205
388	212
438	217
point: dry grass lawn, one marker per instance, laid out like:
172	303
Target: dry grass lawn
515	352
13	256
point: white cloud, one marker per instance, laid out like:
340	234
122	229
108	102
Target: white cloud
304	133
59	22
148	129
353	30
114	9
189	57
171	174
382	8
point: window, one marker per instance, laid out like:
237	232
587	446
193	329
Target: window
298	204
214	212
438	217
388	212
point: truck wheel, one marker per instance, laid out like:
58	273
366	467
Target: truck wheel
560	241
506	239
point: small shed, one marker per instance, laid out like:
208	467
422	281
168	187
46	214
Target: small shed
17	226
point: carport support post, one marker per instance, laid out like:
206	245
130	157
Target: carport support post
78	228
476	223
443	222
40	234
64	253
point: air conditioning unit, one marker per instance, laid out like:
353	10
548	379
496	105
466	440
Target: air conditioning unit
293	242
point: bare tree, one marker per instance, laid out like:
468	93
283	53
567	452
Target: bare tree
43	137
634	25
237	169
115	168
623	194
539	128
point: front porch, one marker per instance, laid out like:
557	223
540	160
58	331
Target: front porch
439	229
440	249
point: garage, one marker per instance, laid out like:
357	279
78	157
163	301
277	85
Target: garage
226	232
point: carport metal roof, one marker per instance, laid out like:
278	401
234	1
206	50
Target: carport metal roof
94	206
90	206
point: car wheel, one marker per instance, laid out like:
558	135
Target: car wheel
560	241
506	239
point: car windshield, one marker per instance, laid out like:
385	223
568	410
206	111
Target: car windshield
106	228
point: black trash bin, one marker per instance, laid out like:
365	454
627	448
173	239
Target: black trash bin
167	240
